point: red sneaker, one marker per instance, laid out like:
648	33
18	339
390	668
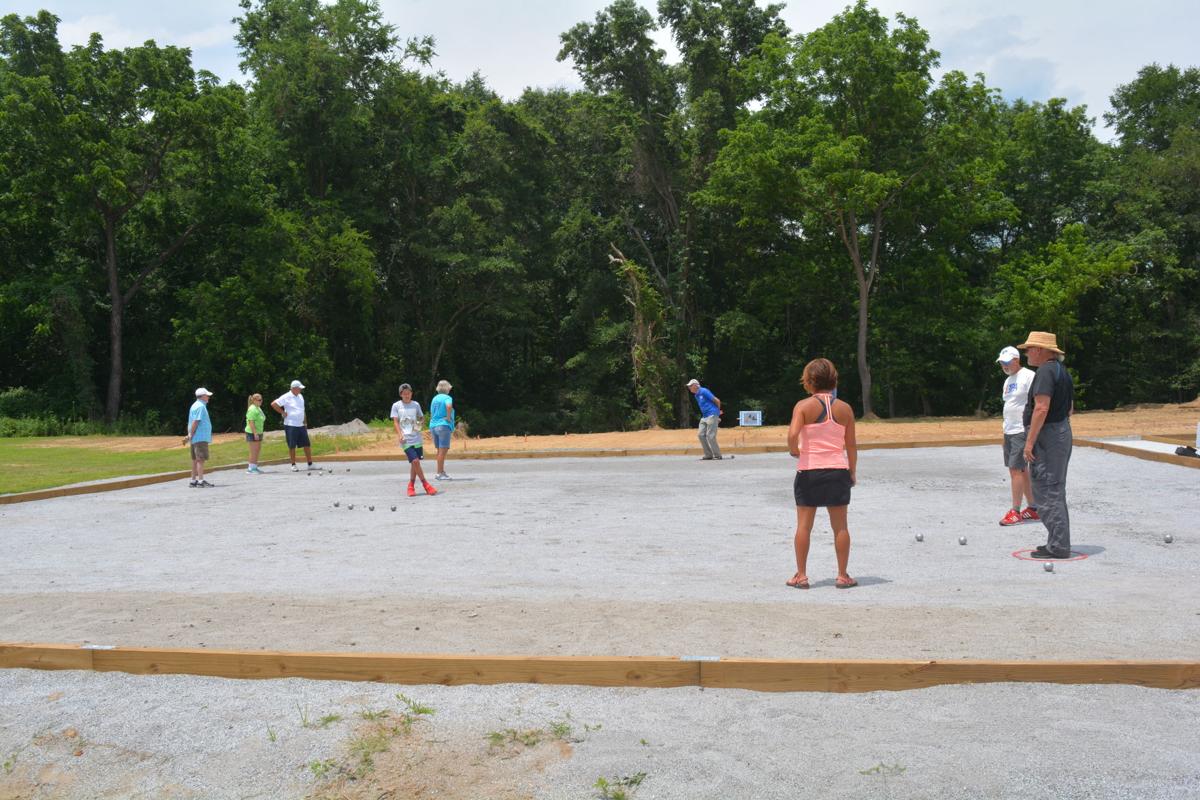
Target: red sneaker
412	492
429	489
1013	517
1030	515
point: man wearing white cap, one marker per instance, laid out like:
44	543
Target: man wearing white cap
199	437
295	423
1014	394
710	419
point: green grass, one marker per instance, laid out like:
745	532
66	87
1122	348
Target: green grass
31	463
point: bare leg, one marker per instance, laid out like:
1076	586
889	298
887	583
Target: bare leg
307	455
441	460
804	523
841	539
1019	484
292	455
255	449
198	470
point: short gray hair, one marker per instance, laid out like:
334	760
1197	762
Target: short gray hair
444	386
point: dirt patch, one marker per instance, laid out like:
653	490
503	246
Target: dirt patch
387	758
1138	420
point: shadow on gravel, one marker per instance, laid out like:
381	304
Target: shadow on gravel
1088	549
870	580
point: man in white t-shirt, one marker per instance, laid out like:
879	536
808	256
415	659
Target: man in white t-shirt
1017	381
295	423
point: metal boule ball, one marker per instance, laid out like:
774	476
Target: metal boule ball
337	503
1048	567
962	540
1168	538
920	537
370	508
393	508
350	507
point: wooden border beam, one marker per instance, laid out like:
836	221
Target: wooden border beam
763	675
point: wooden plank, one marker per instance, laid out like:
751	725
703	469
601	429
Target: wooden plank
1145	455
764	675
1172	438
450	670
871	676
44	656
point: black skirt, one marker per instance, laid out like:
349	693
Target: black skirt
822	487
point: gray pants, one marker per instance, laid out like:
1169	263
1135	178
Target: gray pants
708	436
1052	452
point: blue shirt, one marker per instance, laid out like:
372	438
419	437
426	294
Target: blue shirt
437	411
199	411
708	405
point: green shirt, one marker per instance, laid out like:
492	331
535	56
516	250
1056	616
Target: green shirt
255	415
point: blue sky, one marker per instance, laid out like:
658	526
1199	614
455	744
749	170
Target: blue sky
1036	49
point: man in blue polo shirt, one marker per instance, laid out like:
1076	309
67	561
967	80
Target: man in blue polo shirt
710	418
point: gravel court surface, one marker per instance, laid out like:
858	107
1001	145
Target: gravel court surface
612	556
96	735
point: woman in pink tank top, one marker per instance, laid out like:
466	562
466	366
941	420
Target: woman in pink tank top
821	438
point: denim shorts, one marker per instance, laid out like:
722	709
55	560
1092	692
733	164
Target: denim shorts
254	437
296	436
441	437
414	453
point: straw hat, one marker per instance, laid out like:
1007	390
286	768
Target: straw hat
1047	341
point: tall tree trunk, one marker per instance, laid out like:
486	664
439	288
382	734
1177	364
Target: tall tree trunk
864	368
112	406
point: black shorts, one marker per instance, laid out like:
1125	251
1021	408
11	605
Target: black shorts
822	487
296	436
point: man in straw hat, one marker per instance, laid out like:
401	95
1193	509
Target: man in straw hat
1048	439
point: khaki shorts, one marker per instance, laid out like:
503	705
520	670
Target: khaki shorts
199	451
1014	451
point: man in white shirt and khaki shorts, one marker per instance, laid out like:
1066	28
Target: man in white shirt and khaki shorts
1015	392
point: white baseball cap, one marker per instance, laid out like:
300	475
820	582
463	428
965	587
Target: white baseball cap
202	392
693	382
1008	354
299	385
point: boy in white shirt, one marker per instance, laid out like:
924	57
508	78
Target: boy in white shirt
1015	392
407	417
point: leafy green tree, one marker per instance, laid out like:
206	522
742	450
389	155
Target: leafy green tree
852	129
129	138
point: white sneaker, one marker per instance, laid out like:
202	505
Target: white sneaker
250	470
295	468
313	468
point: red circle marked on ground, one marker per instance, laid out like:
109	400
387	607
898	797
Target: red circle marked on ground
1075	556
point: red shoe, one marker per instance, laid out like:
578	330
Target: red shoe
429	489
412	492
1013	517
1030	515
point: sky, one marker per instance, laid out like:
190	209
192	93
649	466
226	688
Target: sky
1032	49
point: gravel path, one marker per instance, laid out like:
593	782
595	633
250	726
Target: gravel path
91	735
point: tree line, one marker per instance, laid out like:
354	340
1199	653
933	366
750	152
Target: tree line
568	259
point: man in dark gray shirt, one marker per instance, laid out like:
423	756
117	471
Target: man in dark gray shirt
1048	439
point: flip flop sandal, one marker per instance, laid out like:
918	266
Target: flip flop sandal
850	584
795	584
